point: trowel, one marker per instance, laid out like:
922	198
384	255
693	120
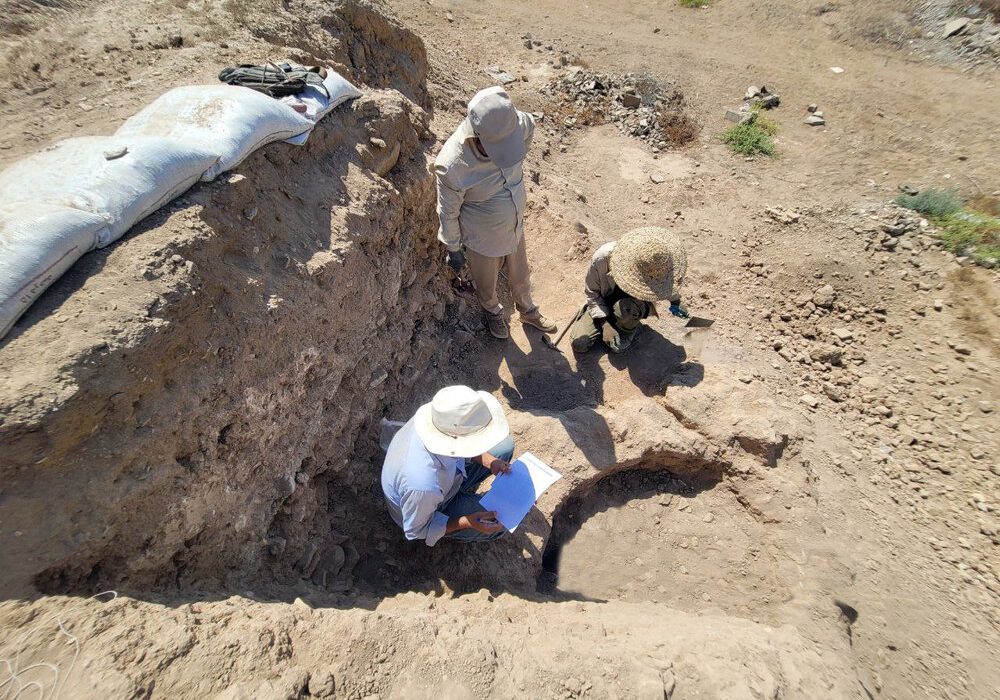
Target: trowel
697	322
696	333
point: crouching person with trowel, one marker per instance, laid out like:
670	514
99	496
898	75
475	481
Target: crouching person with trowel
437	460
625	279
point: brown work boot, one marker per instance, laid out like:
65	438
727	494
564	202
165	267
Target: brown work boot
540	322
497	325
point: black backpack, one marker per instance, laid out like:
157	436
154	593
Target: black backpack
274	79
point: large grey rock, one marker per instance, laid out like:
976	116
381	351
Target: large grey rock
737	117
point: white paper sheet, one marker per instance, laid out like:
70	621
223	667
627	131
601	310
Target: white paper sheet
512	495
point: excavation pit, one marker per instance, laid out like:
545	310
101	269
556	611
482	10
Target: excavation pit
680	540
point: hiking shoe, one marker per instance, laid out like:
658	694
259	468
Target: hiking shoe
540	322
497	325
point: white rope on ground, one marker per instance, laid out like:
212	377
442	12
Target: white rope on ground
16	686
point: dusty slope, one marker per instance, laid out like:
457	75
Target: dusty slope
770	510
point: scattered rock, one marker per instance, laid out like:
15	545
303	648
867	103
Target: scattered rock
815	120
590	98
826	354
499	75
738	117
809	400
322	685
833	392
956	26
631	100
824	296
782	215
762	97
657	178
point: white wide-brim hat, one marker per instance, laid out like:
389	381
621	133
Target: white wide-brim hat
461	422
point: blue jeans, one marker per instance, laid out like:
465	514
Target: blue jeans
466	501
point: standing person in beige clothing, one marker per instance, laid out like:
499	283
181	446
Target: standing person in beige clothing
481	202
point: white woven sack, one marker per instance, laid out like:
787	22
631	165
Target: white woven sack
233	121
318	103
38	243
121	178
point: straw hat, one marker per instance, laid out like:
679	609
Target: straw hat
648	263
461	422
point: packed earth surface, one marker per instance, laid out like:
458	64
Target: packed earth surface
801	502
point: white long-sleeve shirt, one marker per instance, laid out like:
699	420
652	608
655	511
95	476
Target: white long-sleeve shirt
416	482
479	204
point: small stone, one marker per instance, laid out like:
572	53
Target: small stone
843	334
657	178
814	120
500	75
631	101
736	117
812	108
450	17
527	43
115	152
175	41
956	26
837	69
938	305
708	517
809	400
322	685
826	354
769	101
986	407
833	393
824	296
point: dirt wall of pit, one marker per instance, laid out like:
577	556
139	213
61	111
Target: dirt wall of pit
180	397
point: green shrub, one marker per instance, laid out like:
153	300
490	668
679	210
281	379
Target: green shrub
694	3
970	233
752	137
932	202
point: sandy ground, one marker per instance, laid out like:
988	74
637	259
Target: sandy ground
836	535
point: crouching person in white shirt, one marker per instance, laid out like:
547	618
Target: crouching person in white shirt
437	460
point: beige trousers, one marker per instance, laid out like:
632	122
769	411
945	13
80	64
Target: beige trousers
486	270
